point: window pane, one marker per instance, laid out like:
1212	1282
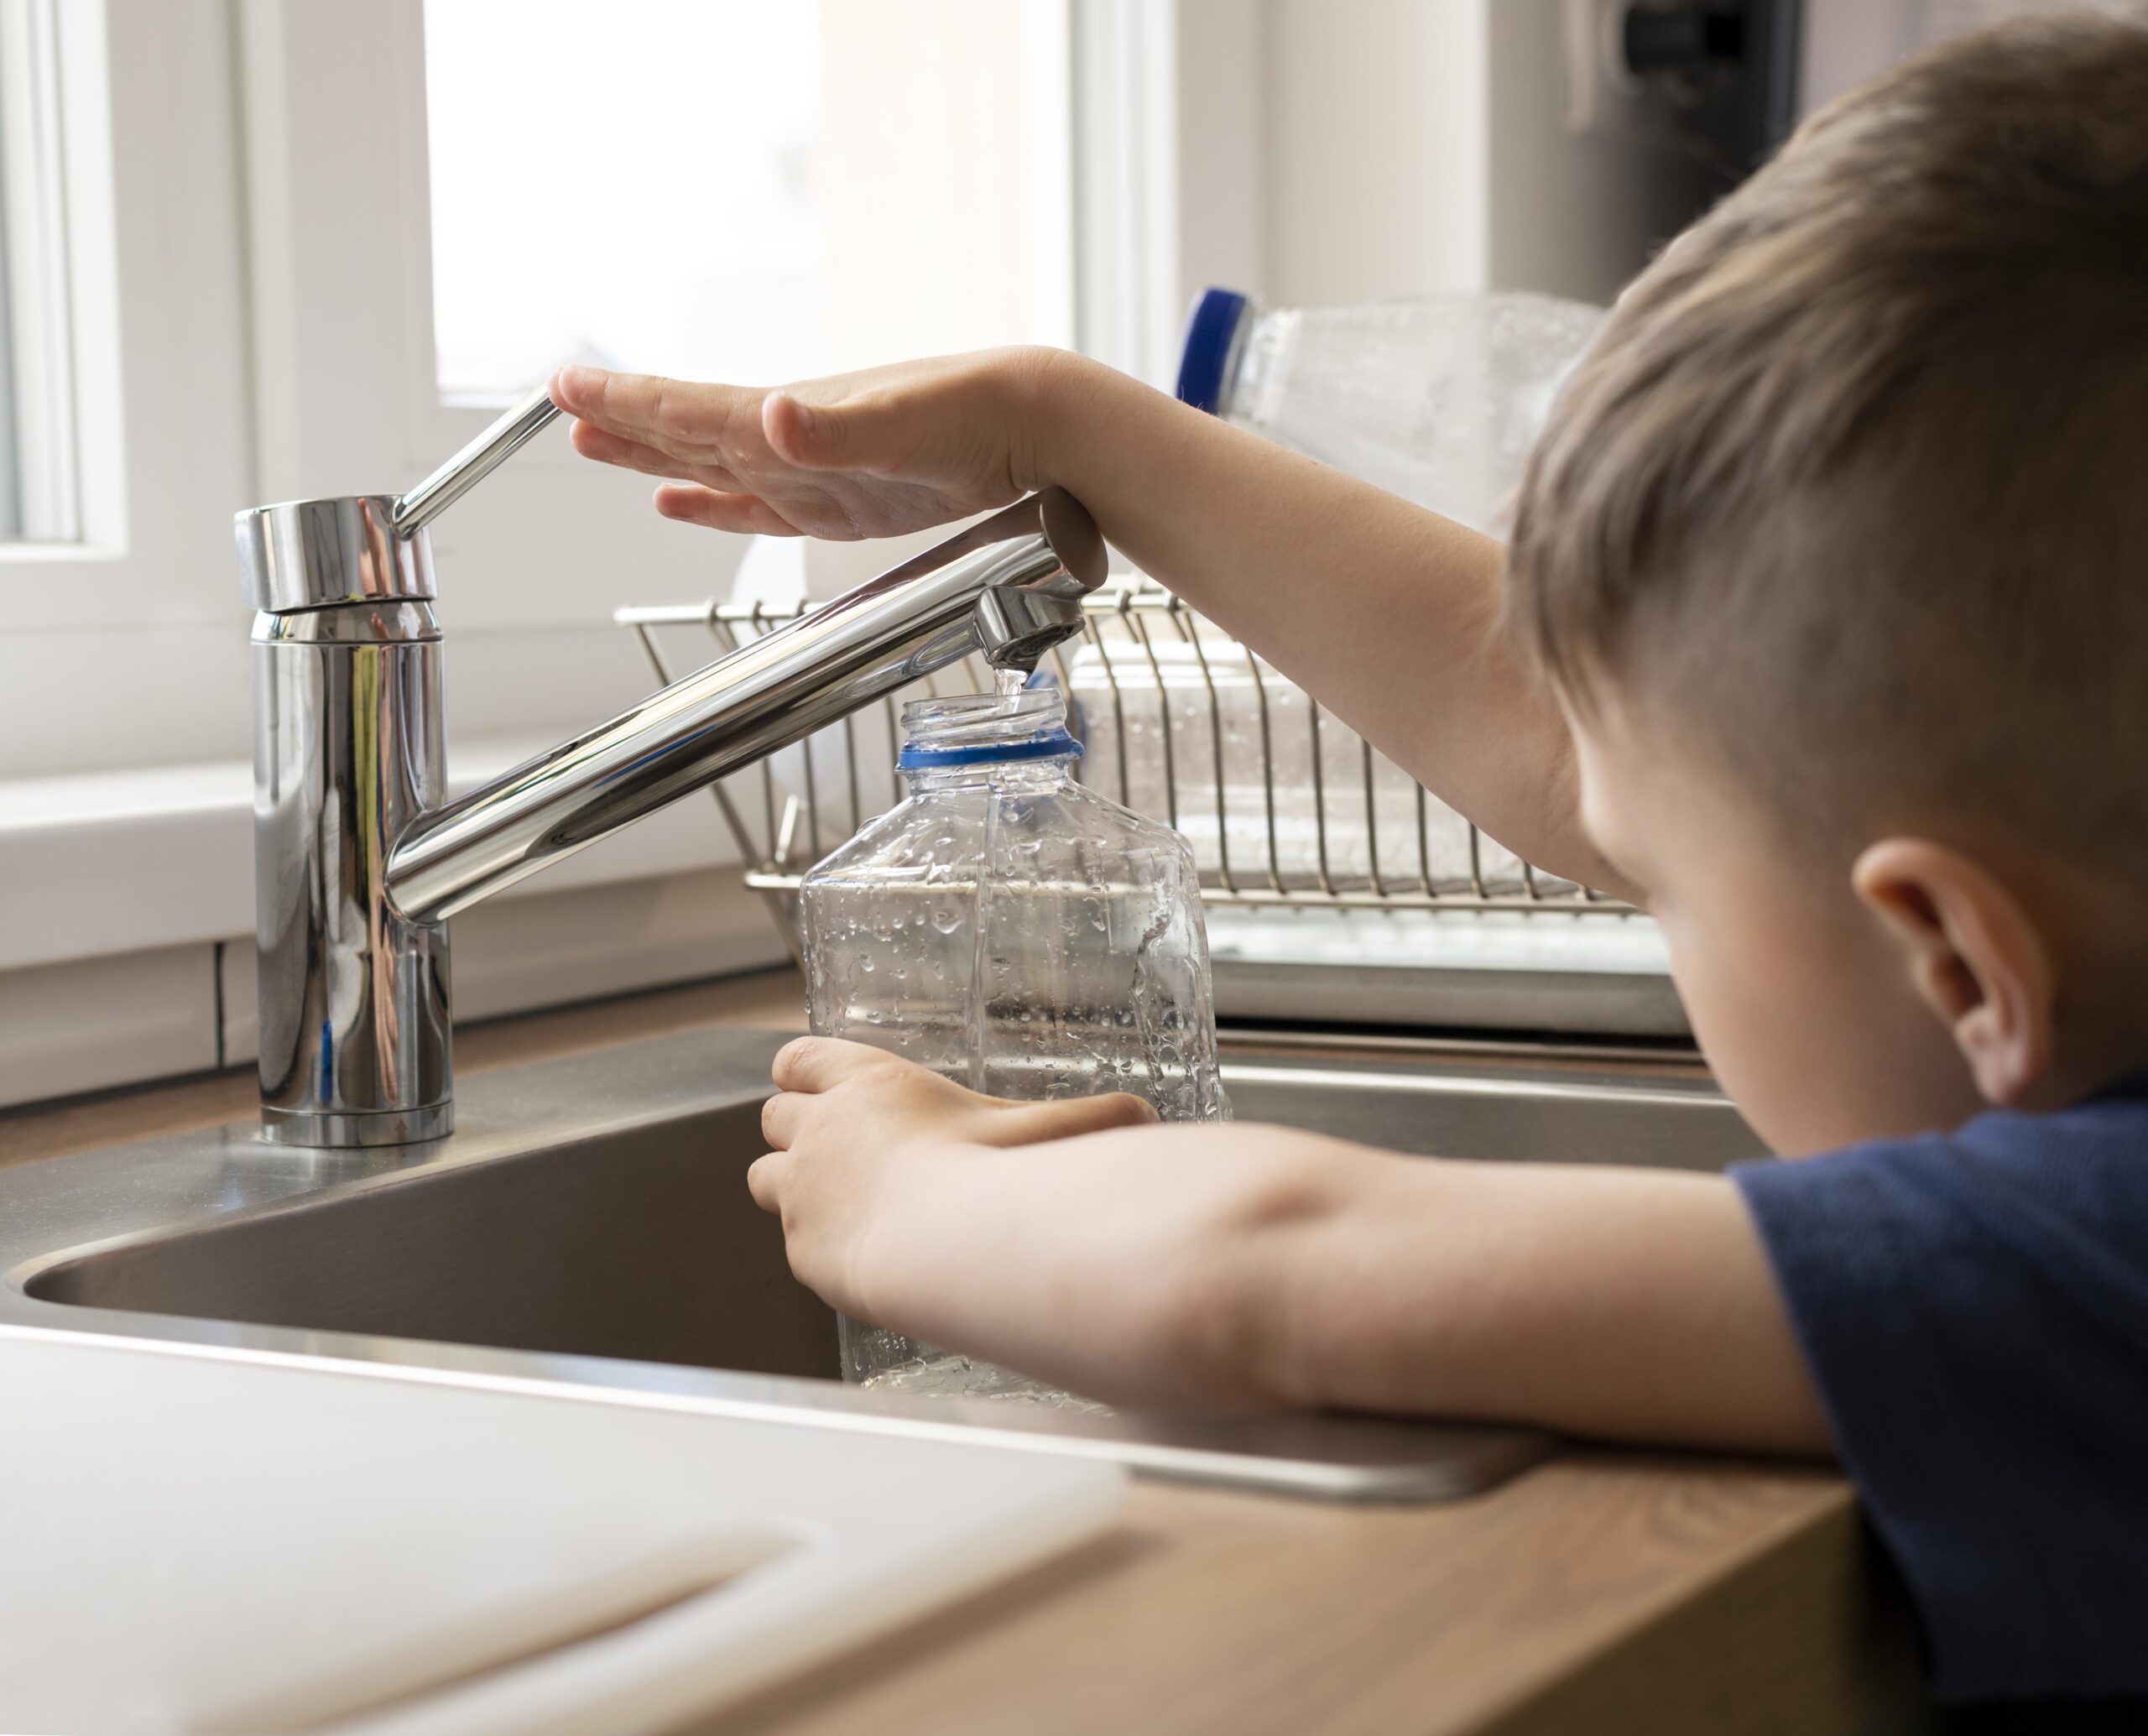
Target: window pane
39	500
739	189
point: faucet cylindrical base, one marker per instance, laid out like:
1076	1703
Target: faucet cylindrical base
353	997
342	1132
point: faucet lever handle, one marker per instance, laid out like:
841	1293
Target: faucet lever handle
417	508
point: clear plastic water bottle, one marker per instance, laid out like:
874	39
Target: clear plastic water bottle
1437	400
1013	930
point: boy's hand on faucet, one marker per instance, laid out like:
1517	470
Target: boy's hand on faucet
877	453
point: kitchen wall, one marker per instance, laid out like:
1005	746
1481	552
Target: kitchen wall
1415	147
1847	41
1373	172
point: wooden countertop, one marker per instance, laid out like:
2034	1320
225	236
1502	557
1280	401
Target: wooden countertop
1602	1593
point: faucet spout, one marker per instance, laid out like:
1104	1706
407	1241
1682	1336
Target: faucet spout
1009	586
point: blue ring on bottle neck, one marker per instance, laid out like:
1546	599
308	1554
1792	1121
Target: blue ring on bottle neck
1058	745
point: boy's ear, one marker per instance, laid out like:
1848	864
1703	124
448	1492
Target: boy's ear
1975	956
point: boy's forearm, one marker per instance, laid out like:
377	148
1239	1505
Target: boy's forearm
1617	1303
1389	614
1258	1267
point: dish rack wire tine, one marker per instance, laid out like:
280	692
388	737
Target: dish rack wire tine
1267	772
1163	718
1117	669
1372	821
1319	797
1094	634
1424	842
1191	630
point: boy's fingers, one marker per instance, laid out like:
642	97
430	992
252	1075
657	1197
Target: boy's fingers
780	1119
597	394
647	407
866	433
1071	1118
747	515
765	1181
812	1064
605	447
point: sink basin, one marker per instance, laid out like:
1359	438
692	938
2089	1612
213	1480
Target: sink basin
640	1243
588	1225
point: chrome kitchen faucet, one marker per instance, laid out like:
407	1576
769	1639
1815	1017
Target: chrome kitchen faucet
358	860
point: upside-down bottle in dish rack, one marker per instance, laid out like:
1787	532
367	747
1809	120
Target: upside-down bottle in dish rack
1437	400
1015	931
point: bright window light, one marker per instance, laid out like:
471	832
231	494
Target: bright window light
740	190
630	185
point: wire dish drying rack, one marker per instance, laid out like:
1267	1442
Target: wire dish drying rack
1337	886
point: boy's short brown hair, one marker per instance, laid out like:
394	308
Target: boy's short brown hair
1854	483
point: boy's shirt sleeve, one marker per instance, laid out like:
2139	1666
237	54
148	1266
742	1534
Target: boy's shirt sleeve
1973	1309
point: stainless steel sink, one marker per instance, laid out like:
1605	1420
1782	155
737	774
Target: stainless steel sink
587	1227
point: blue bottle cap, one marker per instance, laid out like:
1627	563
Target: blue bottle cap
1212	331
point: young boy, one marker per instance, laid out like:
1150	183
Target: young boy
1823	634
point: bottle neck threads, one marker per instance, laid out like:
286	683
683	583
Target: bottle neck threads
984	730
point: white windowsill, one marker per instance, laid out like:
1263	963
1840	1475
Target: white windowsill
127	938
125	861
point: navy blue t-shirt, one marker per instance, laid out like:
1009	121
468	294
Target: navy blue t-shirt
1973	1308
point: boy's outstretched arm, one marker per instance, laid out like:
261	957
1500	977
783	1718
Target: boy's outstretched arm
1390	615
1249	1268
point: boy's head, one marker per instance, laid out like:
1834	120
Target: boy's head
1839	541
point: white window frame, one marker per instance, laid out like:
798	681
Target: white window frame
248	227
531	564
247	222
38	469
127	644
1167	129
